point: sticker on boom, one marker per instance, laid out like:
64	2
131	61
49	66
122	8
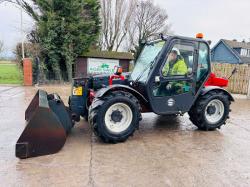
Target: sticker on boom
77	91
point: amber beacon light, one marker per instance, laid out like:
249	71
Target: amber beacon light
200	35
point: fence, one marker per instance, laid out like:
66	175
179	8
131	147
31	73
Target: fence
239	82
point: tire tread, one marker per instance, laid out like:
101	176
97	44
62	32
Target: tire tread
196	113
94	114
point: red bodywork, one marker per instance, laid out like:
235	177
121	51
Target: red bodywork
216	81
212	80
121	77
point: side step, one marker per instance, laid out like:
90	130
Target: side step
48	122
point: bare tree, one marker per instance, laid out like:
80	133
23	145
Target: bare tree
30	8
150	21
126	23
1	46
117	17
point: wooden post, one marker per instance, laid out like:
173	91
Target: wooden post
27	72
248	92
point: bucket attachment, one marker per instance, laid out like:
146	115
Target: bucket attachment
48	122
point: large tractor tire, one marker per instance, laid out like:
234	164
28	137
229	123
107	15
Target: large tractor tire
210	110
115	117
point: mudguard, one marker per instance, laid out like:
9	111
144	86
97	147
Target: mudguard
213	80
210	88
104	91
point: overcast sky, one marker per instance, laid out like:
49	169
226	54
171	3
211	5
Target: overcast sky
10	29
229	19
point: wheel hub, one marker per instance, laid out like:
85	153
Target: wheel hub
116	116
214	111
211	110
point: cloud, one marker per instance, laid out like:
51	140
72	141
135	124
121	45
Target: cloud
10	29
215	18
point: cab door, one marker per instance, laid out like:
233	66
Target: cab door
172	86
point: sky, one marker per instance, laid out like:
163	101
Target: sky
216	19
10	26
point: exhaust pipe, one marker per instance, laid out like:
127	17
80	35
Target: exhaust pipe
48	122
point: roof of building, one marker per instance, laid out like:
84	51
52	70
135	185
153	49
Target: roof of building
246	60
236	44
109	55
231	44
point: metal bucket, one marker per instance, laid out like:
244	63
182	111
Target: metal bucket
48	122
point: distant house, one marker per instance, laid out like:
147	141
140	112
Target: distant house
231	51
101	62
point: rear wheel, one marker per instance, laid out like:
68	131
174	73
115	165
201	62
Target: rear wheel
115	117
210	111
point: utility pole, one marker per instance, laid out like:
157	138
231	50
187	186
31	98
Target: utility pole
22	33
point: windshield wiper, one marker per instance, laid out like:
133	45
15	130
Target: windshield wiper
150	65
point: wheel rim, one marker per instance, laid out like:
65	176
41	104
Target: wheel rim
214	111
118	117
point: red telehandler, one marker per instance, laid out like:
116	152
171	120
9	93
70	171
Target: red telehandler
113	104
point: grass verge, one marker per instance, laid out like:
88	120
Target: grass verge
10	73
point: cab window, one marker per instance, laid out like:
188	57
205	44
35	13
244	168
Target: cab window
179	61
203	64
178	64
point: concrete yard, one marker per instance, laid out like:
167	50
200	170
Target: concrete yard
164	152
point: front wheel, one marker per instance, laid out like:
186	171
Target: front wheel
210	111
115	117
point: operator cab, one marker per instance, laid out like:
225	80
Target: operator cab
171	72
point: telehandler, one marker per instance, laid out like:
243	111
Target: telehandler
113	104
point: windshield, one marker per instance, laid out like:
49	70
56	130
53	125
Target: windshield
145	61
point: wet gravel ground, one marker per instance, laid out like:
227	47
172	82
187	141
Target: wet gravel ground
164	152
